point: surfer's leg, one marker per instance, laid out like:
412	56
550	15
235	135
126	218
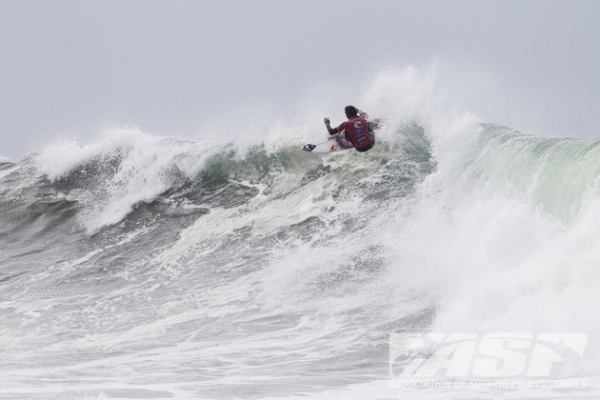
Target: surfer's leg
343	142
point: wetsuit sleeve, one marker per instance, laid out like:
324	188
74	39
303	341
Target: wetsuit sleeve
332	131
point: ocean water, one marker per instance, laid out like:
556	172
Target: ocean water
140	266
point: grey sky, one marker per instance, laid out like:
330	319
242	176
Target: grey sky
167	66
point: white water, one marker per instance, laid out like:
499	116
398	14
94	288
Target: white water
294	290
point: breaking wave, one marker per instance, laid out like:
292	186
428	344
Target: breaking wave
156	267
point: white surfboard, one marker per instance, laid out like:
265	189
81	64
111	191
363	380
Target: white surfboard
324	143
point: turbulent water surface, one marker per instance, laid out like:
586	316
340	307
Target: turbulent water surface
153	267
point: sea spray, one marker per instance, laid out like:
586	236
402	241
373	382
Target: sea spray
138	265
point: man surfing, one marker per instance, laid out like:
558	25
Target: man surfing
355	132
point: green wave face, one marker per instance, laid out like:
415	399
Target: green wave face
192	262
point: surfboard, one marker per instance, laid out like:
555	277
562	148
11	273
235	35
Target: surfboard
324	143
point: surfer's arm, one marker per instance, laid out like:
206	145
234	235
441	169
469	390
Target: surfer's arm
373	124
363	114
332	131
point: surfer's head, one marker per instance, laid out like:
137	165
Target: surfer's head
351	111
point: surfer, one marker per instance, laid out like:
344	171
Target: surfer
355	132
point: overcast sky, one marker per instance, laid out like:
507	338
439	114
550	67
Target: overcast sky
167	66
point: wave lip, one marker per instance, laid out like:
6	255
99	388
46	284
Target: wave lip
120	170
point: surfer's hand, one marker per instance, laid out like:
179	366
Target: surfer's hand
326	120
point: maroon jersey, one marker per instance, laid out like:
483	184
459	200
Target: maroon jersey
358	131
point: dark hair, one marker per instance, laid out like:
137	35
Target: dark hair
351	111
